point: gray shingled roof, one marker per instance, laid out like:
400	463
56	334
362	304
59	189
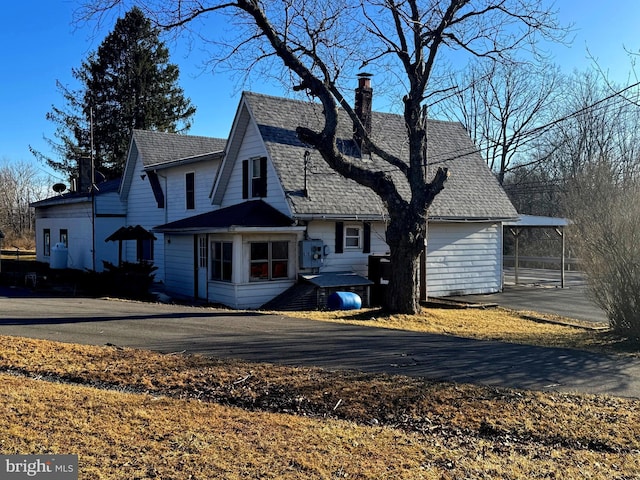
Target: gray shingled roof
472	191
160	147
254	213
108	186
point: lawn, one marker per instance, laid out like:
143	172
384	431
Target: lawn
132	414
488	323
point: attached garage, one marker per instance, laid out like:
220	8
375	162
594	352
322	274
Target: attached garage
464	258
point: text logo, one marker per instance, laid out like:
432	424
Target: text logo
49	467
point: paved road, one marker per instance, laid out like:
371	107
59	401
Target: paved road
279	339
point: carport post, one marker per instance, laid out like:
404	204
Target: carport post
516	233
560	231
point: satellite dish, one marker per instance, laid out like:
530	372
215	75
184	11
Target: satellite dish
59	187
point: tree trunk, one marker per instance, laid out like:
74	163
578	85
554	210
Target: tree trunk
406	239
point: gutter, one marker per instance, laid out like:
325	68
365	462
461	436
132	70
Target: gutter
230	229
348	218
183	161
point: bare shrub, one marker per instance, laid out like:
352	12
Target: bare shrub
605	209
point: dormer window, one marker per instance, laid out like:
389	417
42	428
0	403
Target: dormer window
254	178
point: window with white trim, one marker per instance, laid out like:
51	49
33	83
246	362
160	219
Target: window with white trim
221	261
352	237
269	261
254	178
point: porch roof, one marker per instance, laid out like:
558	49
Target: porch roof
251	214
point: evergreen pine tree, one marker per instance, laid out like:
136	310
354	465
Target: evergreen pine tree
128	83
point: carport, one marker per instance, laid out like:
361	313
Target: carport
534	221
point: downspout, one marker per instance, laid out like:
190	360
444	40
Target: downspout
93	196
93	229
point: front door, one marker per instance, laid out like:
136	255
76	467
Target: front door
202	267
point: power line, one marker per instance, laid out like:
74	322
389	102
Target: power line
538	131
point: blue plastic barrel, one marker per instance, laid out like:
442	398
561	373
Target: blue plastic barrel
344	301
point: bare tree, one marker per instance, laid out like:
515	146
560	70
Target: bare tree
501	106
598	126
321	44
20	184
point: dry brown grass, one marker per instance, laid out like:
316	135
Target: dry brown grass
136	414
499	324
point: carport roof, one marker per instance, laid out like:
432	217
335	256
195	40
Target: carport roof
538	221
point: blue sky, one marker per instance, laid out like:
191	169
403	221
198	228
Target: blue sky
39	45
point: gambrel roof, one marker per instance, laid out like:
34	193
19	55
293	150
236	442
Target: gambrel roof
471	193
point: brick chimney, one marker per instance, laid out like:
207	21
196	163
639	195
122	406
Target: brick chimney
364	98
84	175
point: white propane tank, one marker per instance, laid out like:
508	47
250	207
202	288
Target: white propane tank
59	254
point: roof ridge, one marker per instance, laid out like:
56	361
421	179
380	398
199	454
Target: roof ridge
310	102
176	134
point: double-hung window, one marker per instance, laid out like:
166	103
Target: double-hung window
144	250
352	237
269	261
64	237
46	238
221	261
254	178
190	190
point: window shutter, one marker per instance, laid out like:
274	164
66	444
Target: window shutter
339	237
366	242
263	177
154	181
245	179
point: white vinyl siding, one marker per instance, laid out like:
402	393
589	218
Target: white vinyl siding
464	258
352	259
253	148
143	209
75	219
179	263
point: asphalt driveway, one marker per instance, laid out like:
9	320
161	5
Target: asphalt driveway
290	341
539	290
